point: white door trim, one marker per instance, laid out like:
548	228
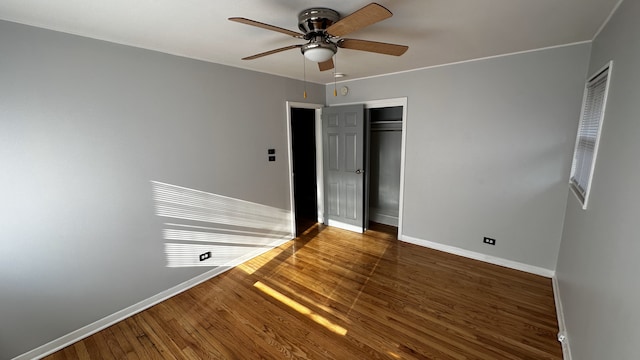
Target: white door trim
319	180
374	104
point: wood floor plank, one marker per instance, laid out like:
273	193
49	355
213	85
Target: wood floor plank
123	341
334	294
146	347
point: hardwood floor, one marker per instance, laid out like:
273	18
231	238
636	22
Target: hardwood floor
333	294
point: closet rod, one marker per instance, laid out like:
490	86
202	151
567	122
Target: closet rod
386	122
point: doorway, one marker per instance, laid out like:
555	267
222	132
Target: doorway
303	146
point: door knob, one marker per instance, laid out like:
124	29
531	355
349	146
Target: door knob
359	171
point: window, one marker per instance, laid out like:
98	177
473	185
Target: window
584	155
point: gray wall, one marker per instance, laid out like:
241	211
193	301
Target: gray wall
488	149
598	265
85	125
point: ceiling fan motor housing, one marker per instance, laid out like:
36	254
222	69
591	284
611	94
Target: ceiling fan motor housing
314	21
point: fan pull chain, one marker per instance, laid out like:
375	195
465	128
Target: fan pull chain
304	76
335	70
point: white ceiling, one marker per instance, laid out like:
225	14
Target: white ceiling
436	31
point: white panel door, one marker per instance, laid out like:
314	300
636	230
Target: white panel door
343	148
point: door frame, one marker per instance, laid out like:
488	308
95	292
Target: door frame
319	174
382	103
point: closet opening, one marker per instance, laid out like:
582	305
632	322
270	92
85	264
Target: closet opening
384	157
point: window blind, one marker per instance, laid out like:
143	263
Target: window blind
588	134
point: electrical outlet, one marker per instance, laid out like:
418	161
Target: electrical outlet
205	256
489	241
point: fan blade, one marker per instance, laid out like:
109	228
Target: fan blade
366	16
274	51
267	26
327	65
373	46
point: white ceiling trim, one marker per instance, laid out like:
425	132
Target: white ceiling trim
606	21
466	61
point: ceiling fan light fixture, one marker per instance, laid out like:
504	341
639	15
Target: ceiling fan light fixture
319	51
318	54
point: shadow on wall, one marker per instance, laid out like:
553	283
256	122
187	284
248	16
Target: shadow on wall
214	230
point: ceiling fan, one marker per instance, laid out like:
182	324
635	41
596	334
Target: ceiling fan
324	29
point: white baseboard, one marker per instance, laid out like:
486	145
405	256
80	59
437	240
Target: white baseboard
562	329
383	218
479	256
77	335
344	226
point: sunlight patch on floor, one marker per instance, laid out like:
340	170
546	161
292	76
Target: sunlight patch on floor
300	308
395	356
256	263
